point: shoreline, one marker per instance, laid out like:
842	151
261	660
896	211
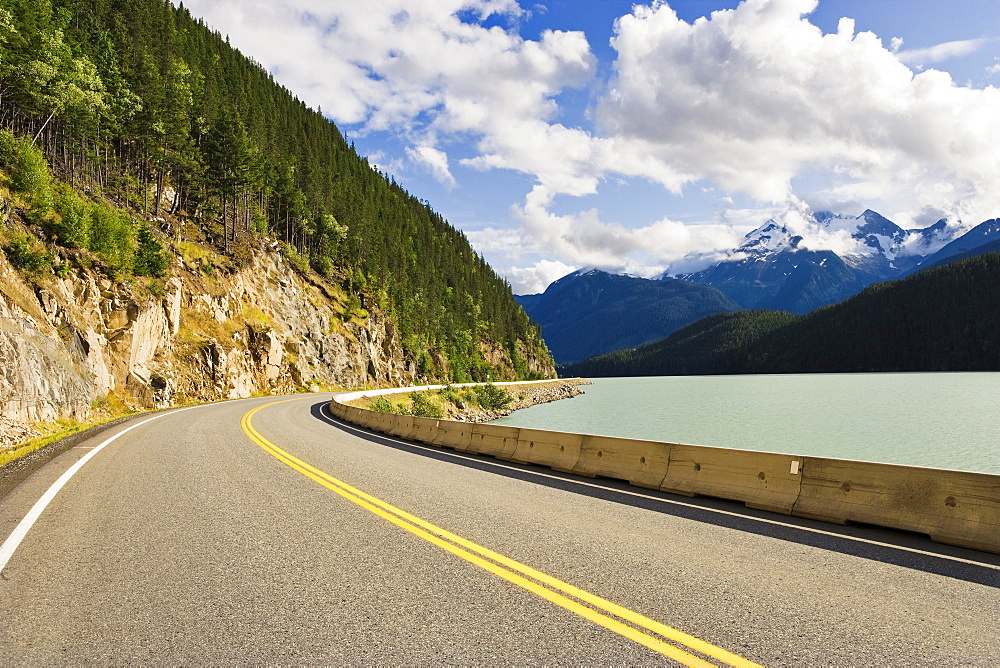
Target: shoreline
525	396
464	410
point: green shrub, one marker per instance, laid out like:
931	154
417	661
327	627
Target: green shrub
150	256
352	308
382	405
8	150
72	224
322	265
113	236
425	363
492	398
299	261
449	393
422	406
28	170
24	256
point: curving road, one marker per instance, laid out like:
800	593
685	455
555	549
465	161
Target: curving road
221	533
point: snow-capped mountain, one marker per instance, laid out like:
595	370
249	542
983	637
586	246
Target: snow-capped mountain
822	260
876	233
930	240
776	268
870	242
978	237
767	240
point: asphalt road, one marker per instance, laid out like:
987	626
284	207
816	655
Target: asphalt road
185	541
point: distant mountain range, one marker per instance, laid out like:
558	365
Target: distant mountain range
946	318
590	312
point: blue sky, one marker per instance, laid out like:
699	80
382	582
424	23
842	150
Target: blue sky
641	138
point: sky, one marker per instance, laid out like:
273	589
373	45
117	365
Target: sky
643	138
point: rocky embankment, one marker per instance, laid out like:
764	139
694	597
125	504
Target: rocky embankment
459	403
213	329
524	397
224	334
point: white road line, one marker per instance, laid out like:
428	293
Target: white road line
15	538
460	455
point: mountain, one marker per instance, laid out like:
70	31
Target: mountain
528	302
177	227
790	280
590	312
988	247
942	319
773	269
979	237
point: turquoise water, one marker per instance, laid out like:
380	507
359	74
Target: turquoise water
943	420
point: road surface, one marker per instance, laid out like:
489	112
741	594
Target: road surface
260	532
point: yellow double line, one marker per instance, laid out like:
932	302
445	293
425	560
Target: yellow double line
514	571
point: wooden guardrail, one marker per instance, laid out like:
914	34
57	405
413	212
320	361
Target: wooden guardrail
954	507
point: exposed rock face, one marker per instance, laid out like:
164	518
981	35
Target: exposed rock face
41	378
260	329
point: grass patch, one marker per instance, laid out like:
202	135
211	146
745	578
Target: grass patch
198	326
60	430
254	316
107	410
419	404
198	254
489	397
422	404
382	405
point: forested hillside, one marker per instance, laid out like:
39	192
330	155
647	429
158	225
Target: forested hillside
941	319
155	126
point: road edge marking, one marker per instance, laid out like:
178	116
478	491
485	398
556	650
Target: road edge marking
21	530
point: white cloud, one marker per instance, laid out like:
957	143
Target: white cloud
434	161
384	163
941	52
585	240
534	279
415	68
749	100
498	240
797	218
753	97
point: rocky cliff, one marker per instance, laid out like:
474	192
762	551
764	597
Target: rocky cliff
209	331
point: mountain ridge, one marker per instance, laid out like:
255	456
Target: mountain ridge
944	318
773	268
591	311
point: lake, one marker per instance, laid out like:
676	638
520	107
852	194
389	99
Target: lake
942	420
